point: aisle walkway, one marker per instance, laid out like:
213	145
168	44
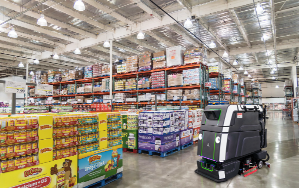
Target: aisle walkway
177	170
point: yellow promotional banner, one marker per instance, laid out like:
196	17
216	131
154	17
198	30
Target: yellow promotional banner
55	174
45	127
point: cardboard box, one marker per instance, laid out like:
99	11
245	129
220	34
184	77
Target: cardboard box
79	99
159	64
174	56
145	61
175	80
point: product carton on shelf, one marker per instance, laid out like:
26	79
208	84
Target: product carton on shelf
175	80
96	70
144	82
121	68
193	55
145	61
159	60
191	94
158	79
174	56
192	76
88	88
132	64
131	84
174	94
88	71
106	70
79	99
235	78
288	83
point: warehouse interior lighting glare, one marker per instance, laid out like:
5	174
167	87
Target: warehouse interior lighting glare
274	69
77	51
55	56
259	9
277	86
79	5
106	44
225	54
241	68
36	61
21	64
249	76
265	37
42	21
268	53
212	45
140	35
188	24
252	79
235	62
31	73
245	72
272	72
12	33
273	78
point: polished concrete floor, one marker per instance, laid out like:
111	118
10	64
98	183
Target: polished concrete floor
177	170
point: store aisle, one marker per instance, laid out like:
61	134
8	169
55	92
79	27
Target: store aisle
177	170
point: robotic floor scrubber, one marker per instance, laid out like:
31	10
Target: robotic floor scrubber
231	141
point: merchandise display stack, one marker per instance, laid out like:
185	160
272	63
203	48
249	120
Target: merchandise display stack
288	94
114	133
130	132
159	60
195	117
256	92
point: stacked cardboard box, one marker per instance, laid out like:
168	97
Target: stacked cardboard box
193	55
88	88
235	78
192	76
226	85
214	83
130	84
44	78
120	97
159	60
144	82
120	85
79	99
174	56
213	69
158	79
175	80
192	94
160	97
88	71
50	76
96	70
106	70
75	74
121	68
105	85
174	94
71	88
145	61
132	64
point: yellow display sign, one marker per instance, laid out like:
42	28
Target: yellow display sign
55	174
45	127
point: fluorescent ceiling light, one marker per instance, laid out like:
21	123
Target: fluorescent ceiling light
212	45
36	61
31	73
140	35
245	72
241	68
277	86
106	44
249	76
79	5
188	24
273	78
55	56
77	51
225	54
259	9
42	21
12	33
21	64
235	62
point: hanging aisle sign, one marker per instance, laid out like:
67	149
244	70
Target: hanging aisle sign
44	89
15	87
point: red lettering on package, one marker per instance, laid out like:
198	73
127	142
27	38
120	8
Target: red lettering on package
39	183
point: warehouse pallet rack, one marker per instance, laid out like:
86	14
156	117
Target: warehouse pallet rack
219	91
201	102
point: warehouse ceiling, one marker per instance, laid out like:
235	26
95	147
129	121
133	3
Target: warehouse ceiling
233	25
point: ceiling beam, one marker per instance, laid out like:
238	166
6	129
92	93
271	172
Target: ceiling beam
107	10
147	25
184	35
185	4
284	44
101	57
143	44
76	14
240	26
15	7
287	10
162	40
16	48
19	42
39	29
147	9
212	34
106	50
273	27
82	58
128	49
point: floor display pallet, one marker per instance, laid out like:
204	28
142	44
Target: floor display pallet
161	154
105	181
187	145
130	150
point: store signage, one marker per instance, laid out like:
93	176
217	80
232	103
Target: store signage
208	84
15	87
44	89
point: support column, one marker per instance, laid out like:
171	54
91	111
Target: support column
294	79
26	88
13	103
110	84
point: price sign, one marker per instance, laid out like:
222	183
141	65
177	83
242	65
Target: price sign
44	89
15	87
208	84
